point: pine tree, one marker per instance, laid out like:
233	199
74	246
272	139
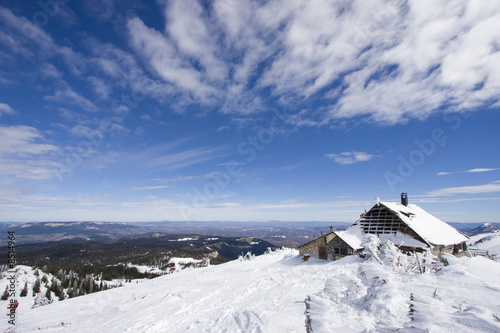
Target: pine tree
60	274
65	282
24	291
48	294
53	285
36	286
5	295
45	279
61	295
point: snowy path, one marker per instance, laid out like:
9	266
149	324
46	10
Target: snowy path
266	295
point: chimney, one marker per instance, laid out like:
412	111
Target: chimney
404	199
332	229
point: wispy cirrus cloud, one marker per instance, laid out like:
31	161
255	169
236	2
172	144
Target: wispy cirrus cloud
386	61
23	141
477	170
149	188
474	189
184	158
352	157
68	95
25	155
6	109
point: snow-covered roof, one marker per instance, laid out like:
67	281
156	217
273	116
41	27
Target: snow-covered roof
430	228
353	236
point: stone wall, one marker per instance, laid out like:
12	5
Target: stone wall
316	248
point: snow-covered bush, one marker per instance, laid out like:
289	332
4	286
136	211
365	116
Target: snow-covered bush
388	254
248	256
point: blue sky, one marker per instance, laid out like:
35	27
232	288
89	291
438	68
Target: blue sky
248	110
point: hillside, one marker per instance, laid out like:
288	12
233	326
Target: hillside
489	243
383	293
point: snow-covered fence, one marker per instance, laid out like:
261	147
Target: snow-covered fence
480	253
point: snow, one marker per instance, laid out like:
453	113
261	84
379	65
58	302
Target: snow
430	228
267	293
185	261
487	242
187	239
56	224
353	236
146	269
402	239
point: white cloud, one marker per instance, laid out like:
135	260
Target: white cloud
24	155
68	95
100	87
477	170
481	170
23	141
386	61
475	189
403	59
165	60
353	157
195	37
6	109
184	158
147	188
222	128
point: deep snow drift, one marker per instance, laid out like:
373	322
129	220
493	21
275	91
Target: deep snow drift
267	293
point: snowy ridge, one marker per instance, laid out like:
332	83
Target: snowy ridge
384	293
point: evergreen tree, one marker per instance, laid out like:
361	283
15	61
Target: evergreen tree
81	288
61	295
65	282
36	286
90	288
45	279
5	295
53	285
60	274
48	294
24	291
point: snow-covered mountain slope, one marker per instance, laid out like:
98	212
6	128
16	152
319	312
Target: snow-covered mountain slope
267	293
488	242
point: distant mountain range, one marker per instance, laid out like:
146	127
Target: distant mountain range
279	233
483	228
